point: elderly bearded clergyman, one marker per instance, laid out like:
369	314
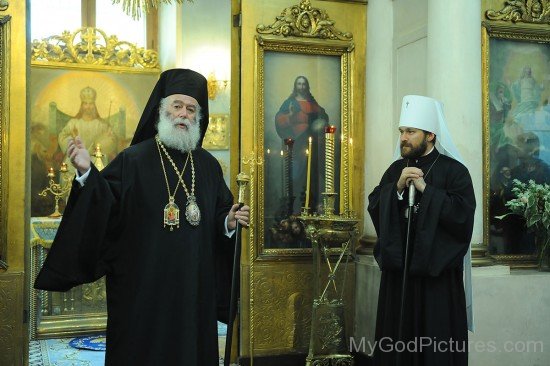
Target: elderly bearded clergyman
156	222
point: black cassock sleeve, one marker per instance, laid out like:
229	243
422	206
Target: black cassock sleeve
82	246
384	208
444	222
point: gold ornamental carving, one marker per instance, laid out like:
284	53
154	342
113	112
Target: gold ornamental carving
92	46
11	314
283	316
522	11
217	134
303	20
330	331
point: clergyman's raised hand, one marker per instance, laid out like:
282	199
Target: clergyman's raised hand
78	154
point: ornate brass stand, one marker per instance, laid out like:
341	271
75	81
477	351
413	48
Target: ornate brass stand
332	238
58	190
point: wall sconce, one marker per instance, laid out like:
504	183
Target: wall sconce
215	86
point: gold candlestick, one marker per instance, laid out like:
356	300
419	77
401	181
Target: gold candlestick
98	161
329	159
329	195
57	190
65	178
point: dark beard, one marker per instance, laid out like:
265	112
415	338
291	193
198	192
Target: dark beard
416	152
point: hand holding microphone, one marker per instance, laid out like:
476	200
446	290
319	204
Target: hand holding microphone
414	175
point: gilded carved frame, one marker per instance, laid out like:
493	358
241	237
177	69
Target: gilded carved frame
501	25
339	46
4	123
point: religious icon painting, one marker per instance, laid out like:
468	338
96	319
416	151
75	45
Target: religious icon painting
516	125
304	89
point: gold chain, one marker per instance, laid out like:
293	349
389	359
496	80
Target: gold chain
180	175
159	144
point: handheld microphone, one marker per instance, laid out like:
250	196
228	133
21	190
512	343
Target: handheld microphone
412	192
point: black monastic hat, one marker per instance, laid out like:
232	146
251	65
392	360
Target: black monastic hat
174	81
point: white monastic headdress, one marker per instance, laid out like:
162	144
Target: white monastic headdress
427	114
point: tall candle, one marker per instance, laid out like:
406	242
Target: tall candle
308	178
329	158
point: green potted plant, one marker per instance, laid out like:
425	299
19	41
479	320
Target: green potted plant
532	202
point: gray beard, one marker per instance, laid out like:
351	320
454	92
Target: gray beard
175	137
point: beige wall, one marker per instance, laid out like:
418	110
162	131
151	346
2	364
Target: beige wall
426	47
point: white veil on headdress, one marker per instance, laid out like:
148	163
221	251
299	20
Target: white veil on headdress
427	114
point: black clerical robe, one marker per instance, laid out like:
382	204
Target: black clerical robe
435	302
161	284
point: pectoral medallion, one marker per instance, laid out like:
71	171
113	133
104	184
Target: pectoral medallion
172	214
192	211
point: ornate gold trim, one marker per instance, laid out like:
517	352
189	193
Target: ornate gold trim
485	132
4	123
517	260
518	33
11	316
303	20
217	134
522	11
490	30
251	161
92	48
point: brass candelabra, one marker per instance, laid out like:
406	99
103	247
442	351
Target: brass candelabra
58	190
332	238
